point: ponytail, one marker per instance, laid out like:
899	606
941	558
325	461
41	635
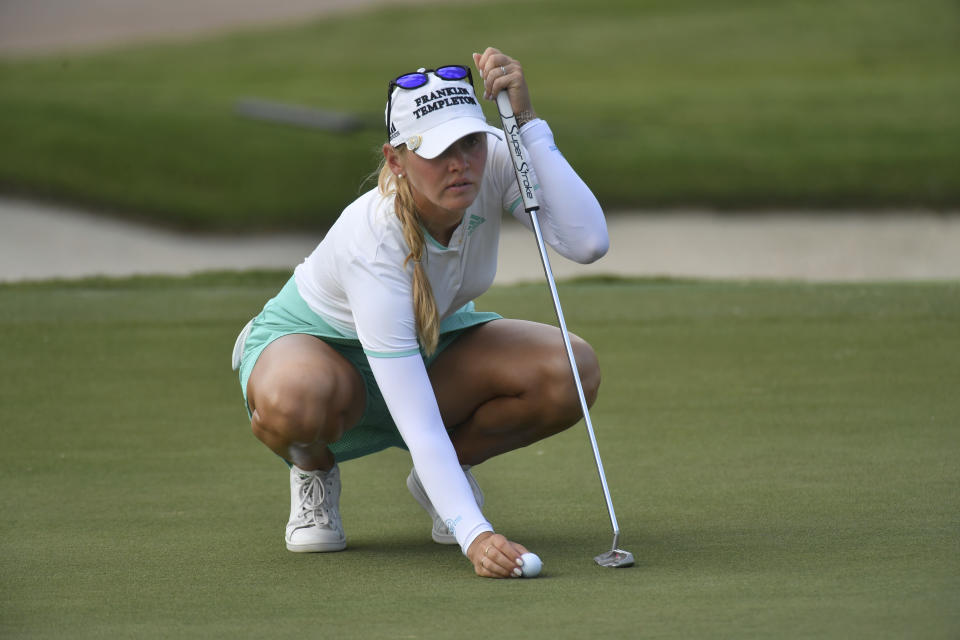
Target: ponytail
424	304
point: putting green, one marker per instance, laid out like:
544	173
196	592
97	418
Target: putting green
782	457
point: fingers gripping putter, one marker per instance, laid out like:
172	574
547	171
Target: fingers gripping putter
615	557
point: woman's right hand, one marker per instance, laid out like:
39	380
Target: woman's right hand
493	556
500	72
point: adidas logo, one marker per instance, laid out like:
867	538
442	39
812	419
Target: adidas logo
475	221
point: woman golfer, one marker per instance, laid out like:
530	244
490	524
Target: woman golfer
374	342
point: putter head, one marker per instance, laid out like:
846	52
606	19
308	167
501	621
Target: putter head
615	558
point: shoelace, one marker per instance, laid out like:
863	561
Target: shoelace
312	497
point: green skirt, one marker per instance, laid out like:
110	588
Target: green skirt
288	313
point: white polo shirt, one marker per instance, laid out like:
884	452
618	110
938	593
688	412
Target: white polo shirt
356	278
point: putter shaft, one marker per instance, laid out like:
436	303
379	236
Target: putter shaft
615	557
545	259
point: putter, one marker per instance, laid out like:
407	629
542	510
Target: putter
615	557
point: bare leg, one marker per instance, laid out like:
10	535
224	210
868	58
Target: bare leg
303	396
506	384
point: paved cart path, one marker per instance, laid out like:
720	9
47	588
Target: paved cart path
40	26
43	241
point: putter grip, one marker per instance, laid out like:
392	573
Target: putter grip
517	153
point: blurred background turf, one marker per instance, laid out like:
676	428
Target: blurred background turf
739	103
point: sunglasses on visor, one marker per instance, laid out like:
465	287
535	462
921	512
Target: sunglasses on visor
416	79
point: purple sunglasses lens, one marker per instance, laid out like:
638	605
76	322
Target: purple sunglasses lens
452	73
412	80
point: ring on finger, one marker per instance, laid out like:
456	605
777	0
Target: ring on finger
504	71
485	551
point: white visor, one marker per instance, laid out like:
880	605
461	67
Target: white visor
430	118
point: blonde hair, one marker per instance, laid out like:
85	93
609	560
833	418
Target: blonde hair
424	304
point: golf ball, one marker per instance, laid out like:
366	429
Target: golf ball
531	565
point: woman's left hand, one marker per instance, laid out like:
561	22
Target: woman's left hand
500	72
494	556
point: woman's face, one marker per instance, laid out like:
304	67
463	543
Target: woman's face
445	186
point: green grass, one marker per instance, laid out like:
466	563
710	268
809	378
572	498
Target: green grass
782	457
728	104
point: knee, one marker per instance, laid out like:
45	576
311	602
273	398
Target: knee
297	412
560	389
588	366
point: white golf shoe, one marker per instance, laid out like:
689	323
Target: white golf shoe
314	524
440	533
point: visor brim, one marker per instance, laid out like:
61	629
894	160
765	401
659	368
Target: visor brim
436	140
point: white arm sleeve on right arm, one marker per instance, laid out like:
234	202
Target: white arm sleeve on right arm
409	396
571	218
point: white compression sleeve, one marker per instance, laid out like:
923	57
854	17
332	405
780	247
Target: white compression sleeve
570	216
409	396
